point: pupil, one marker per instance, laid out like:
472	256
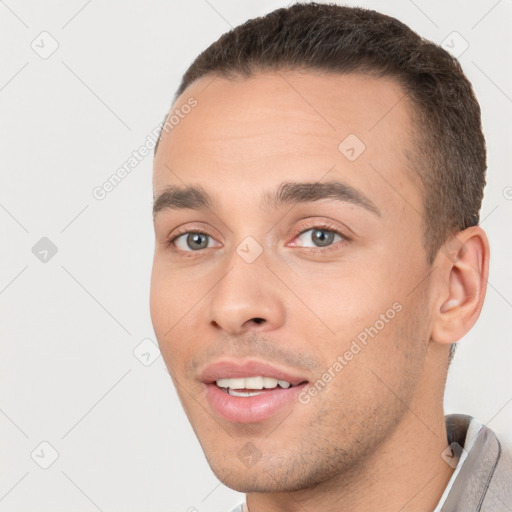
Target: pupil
322	237
197	240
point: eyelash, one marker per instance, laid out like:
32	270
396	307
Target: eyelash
322	226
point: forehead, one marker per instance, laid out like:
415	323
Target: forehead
247	134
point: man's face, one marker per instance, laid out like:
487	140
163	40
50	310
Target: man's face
325	292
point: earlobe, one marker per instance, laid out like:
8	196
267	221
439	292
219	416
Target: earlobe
463	265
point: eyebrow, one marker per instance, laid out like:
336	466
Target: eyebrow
196	198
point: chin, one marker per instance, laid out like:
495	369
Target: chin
241	478
272	475
254	482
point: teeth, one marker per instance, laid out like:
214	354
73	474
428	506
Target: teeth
231	383
256	382
233	392
253	383
269	382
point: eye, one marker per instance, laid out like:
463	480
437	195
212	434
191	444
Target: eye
319	237
192	241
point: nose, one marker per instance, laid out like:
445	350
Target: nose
246	298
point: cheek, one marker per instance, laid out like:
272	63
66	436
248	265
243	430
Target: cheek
378	363
172	298
175	308
159	301
167	306
343	303
363	311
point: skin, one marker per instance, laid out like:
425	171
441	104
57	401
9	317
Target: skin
372	438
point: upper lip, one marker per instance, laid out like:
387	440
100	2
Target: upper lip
231	369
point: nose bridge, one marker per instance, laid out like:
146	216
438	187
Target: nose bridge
245	292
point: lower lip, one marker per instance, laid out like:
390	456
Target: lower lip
251	409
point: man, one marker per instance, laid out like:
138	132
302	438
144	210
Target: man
317	193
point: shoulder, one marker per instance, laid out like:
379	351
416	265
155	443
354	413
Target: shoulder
484	477
499	492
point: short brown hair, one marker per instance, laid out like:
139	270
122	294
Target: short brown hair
450	154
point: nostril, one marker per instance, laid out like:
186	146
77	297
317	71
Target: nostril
258	320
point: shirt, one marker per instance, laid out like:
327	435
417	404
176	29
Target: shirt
482	479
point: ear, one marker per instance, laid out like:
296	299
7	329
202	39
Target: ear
463	264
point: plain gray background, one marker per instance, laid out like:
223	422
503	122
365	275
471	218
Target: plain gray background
77	340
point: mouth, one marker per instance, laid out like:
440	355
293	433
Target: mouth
252	386
250	392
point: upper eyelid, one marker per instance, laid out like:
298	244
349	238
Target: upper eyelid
180	231
323	228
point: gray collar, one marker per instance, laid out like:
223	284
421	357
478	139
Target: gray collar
472	483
